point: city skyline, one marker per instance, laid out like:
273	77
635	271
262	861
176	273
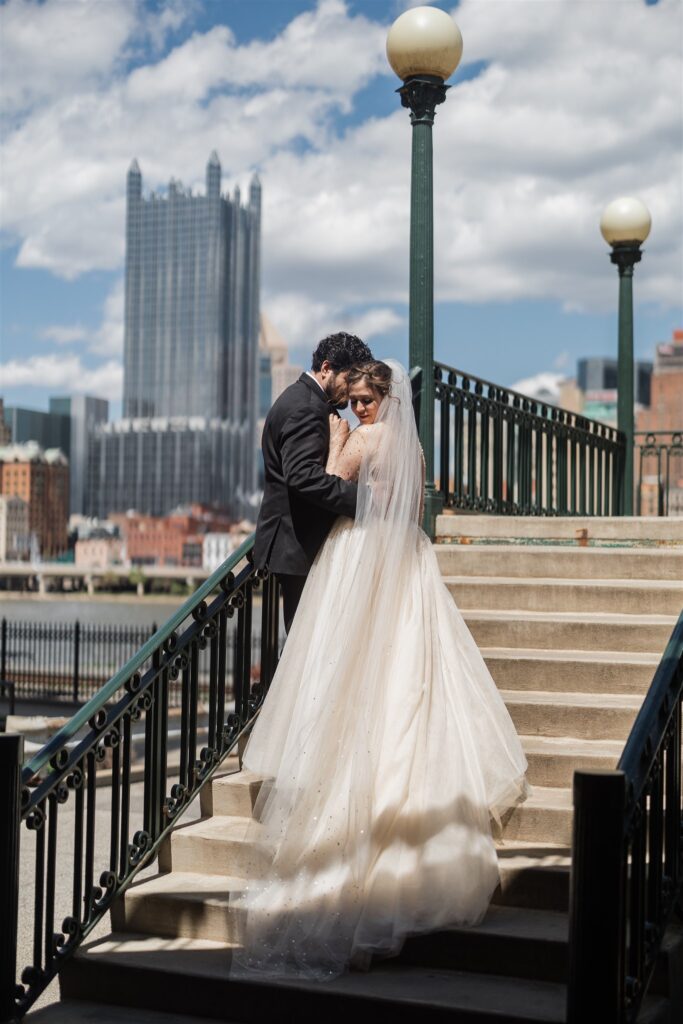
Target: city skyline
529	147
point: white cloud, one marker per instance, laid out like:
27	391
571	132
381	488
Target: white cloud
65	334
302	321
526	154
108	339
64	373
543	386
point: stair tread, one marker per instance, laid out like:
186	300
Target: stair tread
571	746
560	698
568	584
661	551
568	654
76	1011
388	981
217	889
186	885
548	796
589	618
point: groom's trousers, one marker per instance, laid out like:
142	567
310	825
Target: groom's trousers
292	589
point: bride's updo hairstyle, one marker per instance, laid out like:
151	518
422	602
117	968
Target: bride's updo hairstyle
376	374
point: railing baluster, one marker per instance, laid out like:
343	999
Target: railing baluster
90	834
125	797
11	757
77	887
637	893
52	822
39	889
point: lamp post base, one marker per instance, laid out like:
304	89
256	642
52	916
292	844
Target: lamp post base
433	508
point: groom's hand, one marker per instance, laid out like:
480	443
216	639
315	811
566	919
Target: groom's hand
339	431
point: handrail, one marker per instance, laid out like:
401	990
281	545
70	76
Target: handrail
204	654
105	694
502	452
627	857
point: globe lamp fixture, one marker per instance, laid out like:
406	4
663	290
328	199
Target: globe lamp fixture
625	220
424	41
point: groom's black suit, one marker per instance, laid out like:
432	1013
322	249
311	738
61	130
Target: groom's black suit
300	500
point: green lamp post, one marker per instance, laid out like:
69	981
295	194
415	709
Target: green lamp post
424	47
625	224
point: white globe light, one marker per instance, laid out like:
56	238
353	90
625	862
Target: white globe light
424	41
626	219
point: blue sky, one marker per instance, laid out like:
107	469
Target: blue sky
543	126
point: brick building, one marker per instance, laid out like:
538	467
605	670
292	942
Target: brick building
41	479
176	539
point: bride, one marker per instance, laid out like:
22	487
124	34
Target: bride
385	744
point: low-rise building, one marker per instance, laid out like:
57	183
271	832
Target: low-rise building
14	529
41	479
99	552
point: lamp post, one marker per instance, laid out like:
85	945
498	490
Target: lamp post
625	224
424	47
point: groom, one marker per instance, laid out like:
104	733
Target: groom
300	500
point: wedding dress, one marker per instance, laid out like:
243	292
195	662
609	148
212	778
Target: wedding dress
386	745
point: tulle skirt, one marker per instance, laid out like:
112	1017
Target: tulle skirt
387	751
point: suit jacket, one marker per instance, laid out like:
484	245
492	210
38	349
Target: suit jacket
300	500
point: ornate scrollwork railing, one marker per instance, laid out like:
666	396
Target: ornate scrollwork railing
179	751
627	857
659	465
502	452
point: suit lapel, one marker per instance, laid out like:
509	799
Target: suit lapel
316	389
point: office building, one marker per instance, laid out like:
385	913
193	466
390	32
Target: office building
83	413
598	374
154	465
191	371
48	429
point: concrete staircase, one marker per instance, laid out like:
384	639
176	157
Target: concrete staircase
572	617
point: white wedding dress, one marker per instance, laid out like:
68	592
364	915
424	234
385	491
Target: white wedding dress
385	742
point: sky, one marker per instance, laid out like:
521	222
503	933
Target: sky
558	107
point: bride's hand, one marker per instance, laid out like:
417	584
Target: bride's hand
339	431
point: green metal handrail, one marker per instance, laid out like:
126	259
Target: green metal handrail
205	652
134	664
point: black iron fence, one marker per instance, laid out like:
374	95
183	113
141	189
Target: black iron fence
179	751
70	661
659	472
499	451
627	857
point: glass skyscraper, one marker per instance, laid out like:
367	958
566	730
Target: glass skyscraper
190	347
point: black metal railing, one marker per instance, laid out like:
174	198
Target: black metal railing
65	661
659	469
627	857
501	452
69	662
179	753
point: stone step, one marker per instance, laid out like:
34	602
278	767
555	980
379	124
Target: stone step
632	597
570	630
77	1011
555	561
554	759
533	874
184	905
516	668
191	976
181	904
212	846
545	816
589	716
231	794
579	530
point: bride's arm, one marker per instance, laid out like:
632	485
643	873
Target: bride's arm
346	449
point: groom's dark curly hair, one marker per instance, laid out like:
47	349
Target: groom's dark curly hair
341	351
